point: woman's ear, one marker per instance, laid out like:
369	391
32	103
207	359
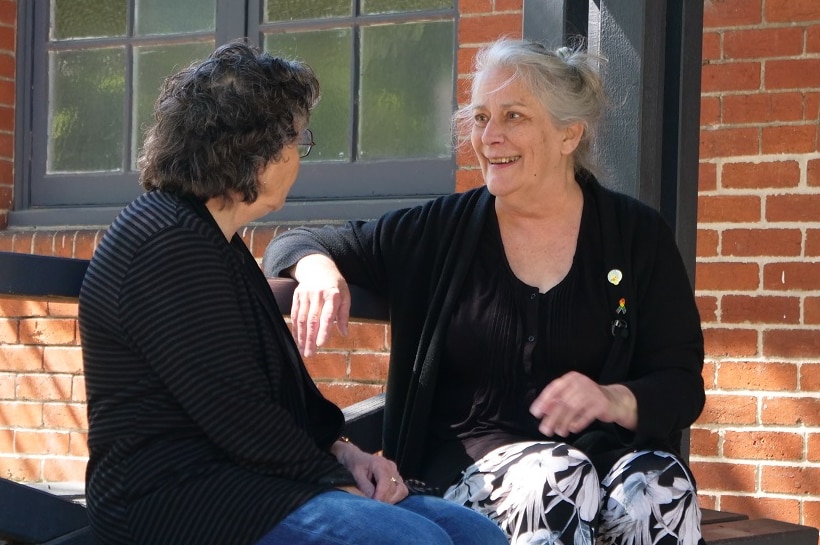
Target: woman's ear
572	137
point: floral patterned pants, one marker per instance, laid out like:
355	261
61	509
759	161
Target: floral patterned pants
548	493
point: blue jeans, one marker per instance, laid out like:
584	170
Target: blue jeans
340	518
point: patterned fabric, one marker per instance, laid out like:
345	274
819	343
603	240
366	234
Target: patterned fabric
548	493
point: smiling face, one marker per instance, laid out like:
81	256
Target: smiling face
518	146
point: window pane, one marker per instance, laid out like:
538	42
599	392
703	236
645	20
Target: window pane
406	91
328	52
87	18
151	66
389	6
86	92
174	17
286	10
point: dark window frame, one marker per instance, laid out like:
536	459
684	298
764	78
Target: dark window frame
50	200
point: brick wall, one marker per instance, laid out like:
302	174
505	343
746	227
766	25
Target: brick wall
756	447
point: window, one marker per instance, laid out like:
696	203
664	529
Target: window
386	69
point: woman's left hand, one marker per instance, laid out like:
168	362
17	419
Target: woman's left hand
573	401
376	476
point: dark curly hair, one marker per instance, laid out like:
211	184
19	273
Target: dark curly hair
219	120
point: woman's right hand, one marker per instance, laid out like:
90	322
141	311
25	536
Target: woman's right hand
321	300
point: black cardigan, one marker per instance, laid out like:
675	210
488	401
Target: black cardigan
204	426
418	259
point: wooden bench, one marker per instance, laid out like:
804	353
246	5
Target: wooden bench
36	514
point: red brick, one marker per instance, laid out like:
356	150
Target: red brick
262	235
7	96
729	409
729	13
22	308
729	142
776	174
327	365
475	7
21	414
488	28
724	476
60	309
8	12
792	74
48	331
44	387
723	276
811	108
710	47
791	276
9	331
763	445
65	416
85	243
63	359
763	42
791	11
40	442
64	244
738	309
21	469
707	307
7	387
762	107
21	358
704	442
812	314
707	501
813	242
707	176
811	513
770	376
508	5
789	138
7	38
369	367
810	377
709	374
43	243
78	389
707	243
731	76
64	469
710	111
813	172
798	343
735	342
787	510
813	39
813	447
361	336
790	411
729	208
22	242
6	441
79	444
793	208
468	179
790	480
465	59
762	242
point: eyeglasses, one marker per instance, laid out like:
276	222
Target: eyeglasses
305	143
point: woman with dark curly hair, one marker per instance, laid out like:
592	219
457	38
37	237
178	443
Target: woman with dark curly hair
204	426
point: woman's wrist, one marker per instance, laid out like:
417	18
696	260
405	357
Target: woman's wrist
624	404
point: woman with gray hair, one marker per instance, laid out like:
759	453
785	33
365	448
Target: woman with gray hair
204	425
546	347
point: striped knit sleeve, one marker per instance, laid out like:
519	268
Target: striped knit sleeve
181	310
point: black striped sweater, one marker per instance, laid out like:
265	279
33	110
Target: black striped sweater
204	426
